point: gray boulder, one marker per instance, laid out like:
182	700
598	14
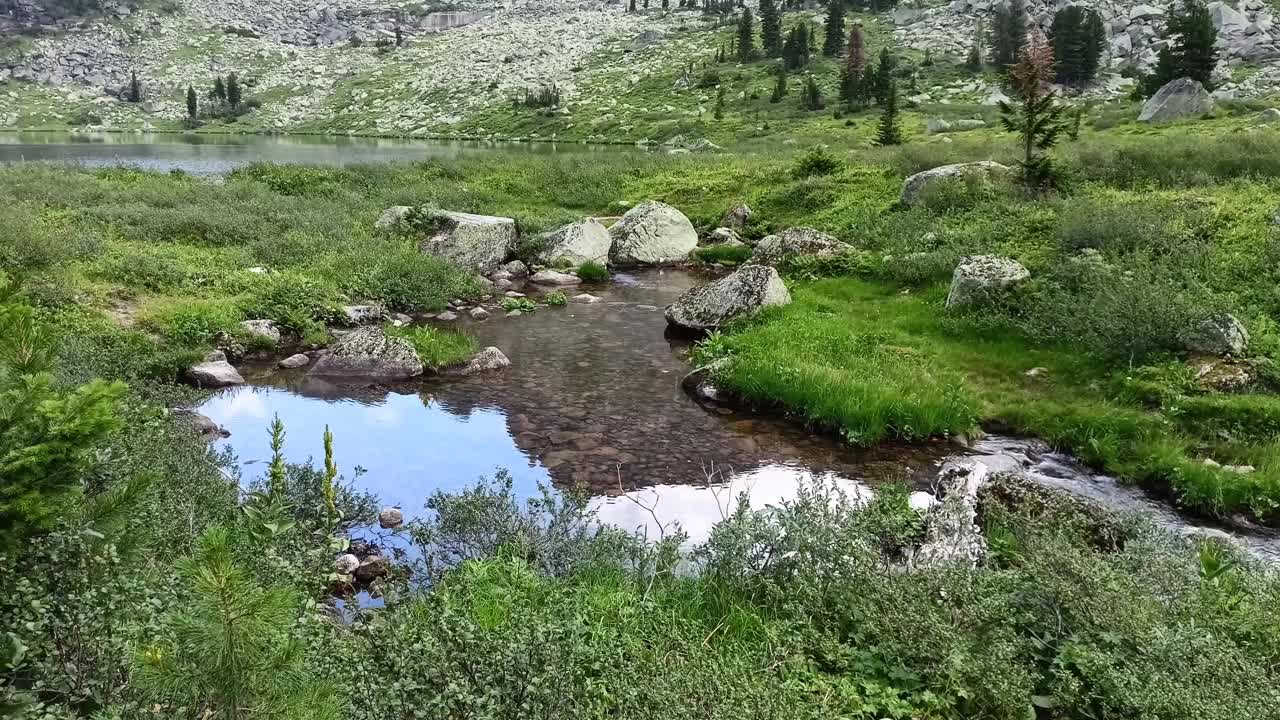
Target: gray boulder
724	235
551	277
294	362
652	233
737	216
979	278
362	314
1218	334
742	293
576	243
515	268
773	249
1179	98
369	352
346	564
392	217
264	329
390	518
213	374
1269	116
490	358
914	187
478	243
203	425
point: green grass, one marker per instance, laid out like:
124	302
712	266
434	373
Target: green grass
436	348
723	254
592	271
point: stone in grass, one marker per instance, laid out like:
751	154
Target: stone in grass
475	242
213	374
346	564
742	293
915	186
737	217
372	568
980	278
362	314
294	362
369	352
264	329
1181	98
490	358
447	316
479	313
774	249
1218	334
391	518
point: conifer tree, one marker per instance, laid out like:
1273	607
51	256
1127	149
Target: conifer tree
795	52
135	88
812	97
1194	53
192	106
1008	33
666	5
232	652
1078	40
233	91
770	28
718	113
974	61
399	36
746	35
888	132
219	91
1037	117
833	41
779	85
882	78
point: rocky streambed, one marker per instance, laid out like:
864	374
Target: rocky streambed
593	398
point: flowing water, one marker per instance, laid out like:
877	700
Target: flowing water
211	154
593	399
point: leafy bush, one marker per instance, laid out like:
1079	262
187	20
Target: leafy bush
401	279
816	162
524	305
29	242
296	180
191	323
294	300
592	271
1125	228
437	348
555	298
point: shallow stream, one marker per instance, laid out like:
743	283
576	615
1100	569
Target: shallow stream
593	398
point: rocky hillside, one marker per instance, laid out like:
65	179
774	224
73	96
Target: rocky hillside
334	65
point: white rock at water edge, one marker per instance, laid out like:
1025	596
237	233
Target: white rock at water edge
652	233
577	243
214	374
551	277
490	358
294	362
370	352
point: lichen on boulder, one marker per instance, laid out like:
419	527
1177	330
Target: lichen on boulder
369	352
744	292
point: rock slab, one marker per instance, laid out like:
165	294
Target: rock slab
773	249
979	278
478	243
914	187
1179	98
213	374
577	243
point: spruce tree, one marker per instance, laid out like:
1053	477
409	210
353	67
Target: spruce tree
770	28
233	91
795	52
1037	117
718	113
855	62
974	61
833	41
1095	44
888	132
1194	53
666	5
399	36
779	85
882	78
1078	40
812	98
746	35
192	107
135	88
219	91
1009	31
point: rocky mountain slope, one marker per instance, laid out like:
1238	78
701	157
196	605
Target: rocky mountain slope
334	66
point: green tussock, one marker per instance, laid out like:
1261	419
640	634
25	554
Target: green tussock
437	348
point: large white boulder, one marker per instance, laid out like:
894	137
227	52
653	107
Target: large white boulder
369	352
478	243
913	188
1179	98
490	358
1218	334
652	233
577	243
979	278
744	292
773	249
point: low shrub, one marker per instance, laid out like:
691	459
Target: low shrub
555	298
524	305
192	322
400	278
817	162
